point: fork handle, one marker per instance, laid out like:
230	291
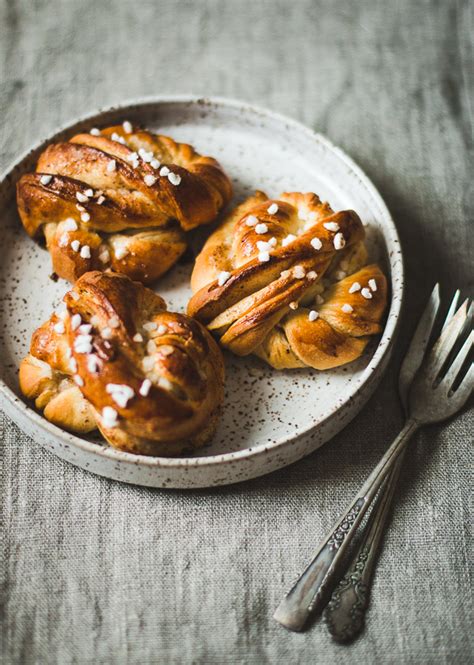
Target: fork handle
345	612
309	593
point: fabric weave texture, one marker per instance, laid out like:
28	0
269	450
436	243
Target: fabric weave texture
99	572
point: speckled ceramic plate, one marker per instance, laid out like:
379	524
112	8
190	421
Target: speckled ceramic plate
270	418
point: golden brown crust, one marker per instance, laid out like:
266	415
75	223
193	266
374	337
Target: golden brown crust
115	335
336	337
277	261
129	216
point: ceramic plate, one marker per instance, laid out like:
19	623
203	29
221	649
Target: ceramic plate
270	418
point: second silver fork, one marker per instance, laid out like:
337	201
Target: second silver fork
430	399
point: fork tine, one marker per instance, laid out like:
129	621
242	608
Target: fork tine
417	348
467	384
462	393
457	363
470	311
445	343
452	309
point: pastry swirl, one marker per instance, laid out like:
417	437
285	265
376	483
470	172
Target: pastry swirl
120	199
286	280
152	381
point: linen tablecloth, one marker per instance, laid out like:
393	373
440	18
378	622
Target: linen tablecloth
100	572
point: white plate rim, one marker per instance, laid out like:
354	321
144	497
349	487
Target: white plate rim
383	347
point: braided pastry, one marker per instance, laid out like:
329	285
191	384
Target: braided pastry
286	280
152	381
120	199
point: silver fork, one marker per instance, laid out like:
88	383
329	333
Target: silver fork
345	612
426	389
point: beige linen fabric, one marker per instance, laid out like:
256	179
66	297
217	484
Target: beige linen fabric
99	572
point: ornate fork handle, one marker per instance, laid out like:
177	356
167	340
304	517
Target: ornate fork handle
345	612
309	594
